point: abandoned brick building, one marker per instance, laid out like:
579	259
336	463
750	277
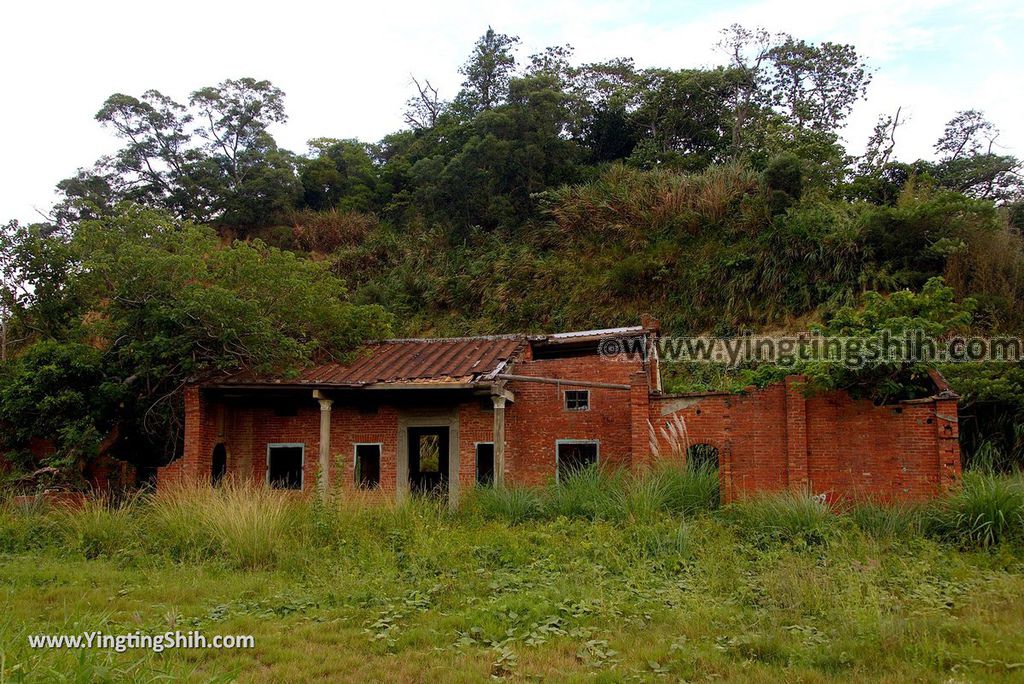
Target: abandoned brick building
446	414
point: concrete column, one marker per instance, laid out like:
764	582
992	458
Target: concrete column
499	440
402	461
323	478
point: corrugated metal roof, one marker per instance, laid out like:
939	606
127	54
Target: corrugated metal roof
425	361
603	332
453	360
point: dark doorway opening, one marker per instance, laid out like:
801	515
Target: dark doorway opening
219	464
485	464
702	457
428	460
574	457
284	466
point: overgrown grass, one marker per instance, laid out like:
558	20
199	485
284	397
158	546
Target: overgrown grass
649	579
786	517
988	510
595	494
246	525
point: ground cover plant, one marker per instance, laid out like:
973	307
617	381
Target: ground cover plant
605	577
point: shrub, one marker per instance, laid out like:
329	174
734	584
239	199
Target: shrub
988	510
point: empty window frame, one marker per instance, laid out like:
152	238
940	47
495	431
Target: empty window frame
367	466
577	400
573	455
284	465
485	464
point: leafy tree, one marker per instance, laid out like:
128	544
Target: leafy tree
158	165
36	264
747	50
968	164
342	175
211	160
487	72
60	393
815	86
934	312
685	117
163	303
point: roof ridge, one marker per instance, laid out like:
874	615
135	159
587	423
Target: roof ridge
511	336
465	338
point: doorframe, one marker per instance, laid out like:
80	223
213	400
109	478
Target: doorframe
427	418
560	442
355	461
302	466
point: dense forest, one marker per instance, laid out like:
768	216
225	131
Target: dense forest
545	195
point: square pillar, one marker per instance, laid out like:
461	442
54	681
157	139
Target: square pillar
640	420
947	426
499	440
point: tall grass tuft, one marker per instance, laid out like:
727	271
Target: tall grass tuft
788	517
100	526
245	524
690	489
887	521
988	510
591	493
514	504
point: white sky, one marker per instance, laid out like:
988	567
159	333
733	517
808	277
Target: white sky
345	68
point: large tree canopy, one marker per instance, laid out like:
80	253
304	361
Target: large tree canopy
148	303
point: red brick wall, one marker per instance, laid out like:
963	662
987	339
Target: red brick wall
534	421
538	418
769	439
476	424
776	438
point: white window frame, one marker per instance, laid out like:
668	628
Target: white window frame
476	461
355	461
565	400
302	465
559	442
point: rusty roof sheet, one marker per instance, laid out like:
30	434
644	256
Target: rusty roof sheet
434	361
440	361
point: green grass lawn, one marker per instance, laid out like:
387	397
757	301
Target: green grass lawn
364	593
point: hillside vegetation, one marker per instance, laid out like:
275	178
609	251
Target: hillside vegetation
545	195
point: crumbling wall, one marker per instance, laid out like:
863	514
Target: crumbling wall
828	443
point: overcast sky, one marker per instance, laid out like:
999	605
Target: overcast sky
346	69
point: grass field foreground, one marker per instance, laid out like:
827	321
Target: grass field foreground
606	578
